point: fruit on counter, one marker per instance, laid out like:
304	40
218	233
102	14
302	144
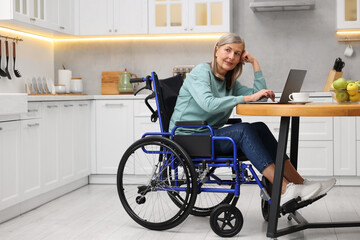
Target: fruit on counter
352	88
349	81
340	83
342	96
355	98
358	83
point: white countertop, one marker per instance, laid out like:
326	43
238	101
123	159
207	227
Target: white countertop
40	98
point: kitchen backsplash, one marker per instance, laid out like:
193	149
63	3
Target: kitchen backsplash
34	58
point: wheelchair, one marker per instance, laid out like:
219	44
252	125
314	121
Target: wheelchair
164	177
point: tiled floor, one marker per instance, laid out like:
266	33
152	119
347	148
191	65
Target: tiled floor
95	212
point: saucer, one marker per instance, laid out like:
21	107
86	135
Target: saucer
299	102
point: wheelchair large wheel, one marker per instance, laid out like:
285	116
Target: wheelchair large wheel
226	220
149	170
207	201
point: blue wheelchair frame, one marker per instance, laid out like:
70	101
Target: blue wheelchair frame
211	162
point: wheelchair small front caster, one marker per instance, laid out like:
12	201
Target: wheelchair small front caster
226	220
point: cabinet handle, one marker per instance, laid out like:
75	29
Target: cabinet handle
82	104
62	28
1	128
109	30
191	29
32	19
52	106
185	29
32	110
115	30
68	105
33	124
114	104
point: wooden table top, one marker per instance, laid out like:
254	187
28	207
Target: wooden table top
314	109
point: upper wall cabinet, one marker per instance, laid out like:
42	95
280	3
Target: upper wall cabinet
60	15
53	15
189	16
104	17
30	11
348	14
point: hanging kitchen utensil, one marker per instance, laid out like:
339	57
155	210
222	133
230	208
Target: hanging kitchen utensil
7	60
16	72
2	73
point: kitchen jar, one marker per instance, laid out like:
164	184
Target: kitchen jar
64	78
76	85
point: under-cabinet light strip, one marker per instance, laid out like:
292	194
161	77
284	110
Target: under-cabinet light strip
25	34
117	38
145	37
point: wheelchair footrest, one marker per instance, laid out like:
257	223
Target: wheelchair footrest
296	203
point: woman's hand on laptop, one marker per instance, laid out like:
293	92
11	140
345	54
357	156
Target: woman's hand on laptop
264	93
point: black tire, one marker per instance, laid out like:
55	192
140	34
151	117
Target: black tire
207	201
226	220
265	206
143	185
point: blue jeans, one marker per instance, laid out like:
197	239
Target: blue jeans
253	139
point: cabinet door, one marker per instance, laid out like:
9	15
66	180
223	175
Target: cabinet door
210	15
316	158
348	14
50	145
130	17
168	16
344	146
82	138
94	17
30	11
66	142
31	158
66	16
114	133
9	164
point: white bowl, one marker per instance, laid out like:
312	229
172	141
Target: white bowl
60	89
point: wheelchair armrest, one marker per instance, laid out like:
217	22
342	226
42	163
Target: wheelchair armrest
234	120
185	123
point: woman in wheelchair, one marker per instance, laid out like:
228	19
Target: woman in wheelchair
211	91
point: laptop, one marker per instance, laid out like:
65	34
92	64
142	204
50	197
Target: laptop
293	84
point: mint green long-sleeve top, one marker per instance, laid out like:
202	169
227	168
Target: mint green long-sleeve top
203	97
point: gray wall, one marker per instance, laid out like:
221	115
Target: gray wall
280	41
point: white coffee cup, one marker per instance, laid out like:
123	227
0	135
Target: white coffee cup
299	97
349	51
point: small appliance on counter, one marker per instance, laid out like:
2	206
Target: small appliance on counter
115	82
124	85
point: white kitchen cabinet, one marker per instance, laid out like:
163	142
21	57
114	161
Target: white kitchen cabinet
66	141
10	144
344	146
82	138
112	17
189	16
114	133
30	167
50	145
143	124
60	15
30	11
348	14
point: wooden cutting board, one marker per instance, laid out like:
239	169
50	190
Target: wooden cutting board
109	82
